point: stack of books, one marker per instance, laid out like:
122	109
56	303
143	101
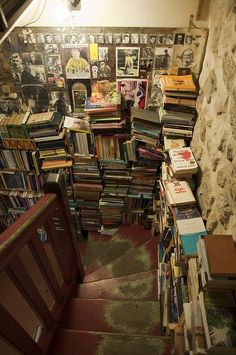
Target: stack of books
87	188
179	111
14	126
146	126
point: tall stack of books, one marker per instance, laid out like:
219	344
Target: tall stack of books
179	111
48	133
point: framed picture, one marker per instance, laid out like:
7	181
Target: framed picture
127	61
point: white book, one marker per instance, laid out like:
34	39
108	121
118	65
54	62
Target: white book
182	160
179	192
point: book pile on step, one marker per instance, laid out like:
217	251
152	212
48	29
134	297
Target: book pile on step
179	111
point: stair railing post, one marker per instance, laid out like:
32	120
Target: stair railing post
55	183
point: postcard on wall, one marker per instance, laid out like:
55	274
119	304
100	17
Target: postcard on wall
133	91
100	38
152	39
125	38
77	65
127	61
143	38
163	58
108	38
147	52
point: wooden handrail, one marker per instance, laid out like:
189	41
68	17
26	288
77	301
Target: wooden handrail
52	214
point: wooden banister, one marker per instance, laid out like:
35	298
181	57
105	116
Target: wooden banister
52	215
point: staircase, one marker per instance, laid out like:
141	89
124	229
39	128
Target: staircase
115	310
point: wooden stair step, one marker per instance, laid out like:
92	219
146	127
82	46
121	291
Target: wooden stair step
139	259
67	342
136	286
127	238
112	316
95	247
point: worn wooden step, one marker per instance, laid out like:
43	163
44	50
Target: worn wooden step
127	238
139	259
136	286
67	342
112	316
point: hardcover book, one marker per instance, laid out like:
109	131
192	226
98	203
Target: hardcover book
179	192
177	83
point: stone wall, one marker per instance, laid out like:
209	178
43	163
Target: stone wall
214	141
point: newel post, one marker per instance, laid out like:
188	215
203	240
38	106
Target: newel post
55	183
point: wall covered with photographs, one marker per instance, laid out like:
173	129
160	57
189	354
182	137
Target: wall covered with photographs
42	67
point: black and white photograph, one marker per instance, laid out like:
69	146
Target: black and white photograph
40	38
161	38
127	61
100	38
35	96
10	106
134	38
51	48
108	38
77	65
147	52
152	39
188	39
32	58
73	38
33	74
143	38
94	70
104	70
92	38
169	38
16	66
125	38
117	38
57	38
81	38
146	64
26	35
163	57
103	53
53	64
48	38
179	38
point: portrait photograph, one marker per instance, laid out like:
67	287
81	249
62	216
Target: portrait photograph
117	38
48	38
143	38
147	52
127	61
152	39
134	38
161	38
179	38
40	38
169	38
81	38
92	38
57	38
104	70
33	74
100	38
26	35
125	38
134	92
77	65
108	38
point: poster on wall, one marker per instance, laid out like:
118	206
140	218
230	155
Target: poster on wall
127	61
163	59
77	65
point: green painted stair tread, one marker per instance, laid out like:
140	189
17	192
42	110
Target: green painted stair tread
95	246
136	286
71	342
139	317
139	259
127	238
